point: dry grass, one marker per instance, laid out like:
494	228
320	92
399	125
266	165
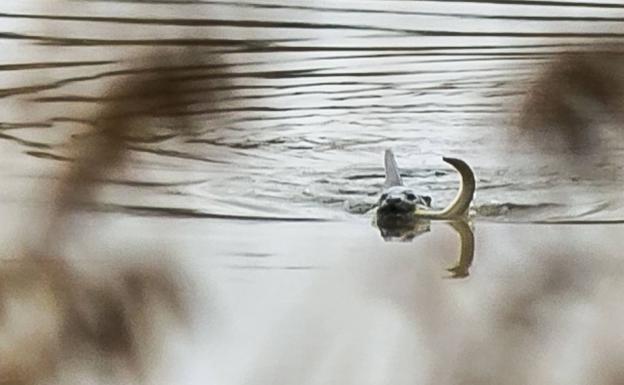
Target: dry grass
57	321
573	95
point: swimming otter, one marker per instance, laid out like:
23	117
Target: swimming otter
401	206
402	214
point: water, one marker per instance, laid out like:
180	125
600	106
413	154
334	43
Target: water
314	94
264	196
279	302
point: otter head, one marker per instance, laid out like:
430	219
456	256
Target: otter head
395	213
401	200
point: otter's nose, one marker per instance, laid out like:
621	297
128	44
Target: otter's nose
394	200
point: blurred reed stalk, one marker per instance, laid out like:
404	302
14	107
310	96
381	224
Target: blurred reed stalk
572	97
56	320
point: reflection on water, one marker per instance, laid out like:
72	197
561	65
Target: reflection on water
409	231
403	232
466	249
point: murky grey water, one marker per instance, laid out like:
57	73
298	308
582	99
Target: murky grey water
314	94
332	302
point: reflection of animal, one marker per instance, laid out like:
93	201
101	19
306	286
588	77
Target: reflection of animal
401	205
461	269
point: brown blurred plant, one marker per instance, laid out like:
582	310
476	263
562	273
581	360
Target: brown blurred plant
571	96
53	317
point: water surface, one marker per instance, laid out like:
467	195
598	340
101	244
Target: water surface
312	95
263	195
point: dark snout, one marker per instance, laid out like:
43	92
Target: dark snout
393	201
395	205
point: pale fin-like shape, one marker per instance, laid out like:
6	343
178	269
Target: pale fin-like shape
460	205
393	176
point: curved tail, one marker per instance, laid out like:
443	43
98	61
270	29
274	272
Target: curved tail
458	208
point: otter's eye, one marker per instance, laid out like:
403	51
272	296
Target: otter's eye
410	196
